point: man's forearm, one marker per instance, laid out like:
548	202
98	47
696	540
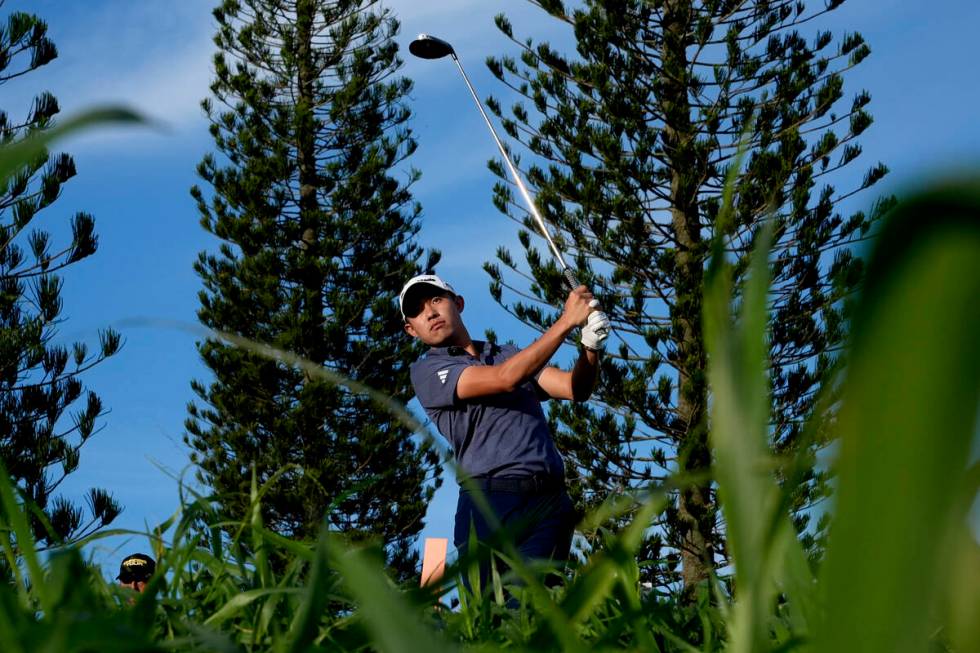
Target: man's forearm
584	374
527	362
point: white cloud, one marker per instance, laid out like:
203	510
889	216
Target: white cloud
151	56
160	63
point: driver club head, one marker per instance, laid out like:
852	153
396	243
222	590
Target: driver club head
430	47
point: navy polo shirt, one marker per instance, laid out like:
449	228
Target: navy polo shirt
502	435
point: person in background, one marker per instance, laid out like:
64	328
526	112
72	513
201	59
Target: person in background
136	570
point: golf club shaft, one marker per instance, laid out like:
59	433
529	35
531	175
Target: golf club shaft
542	227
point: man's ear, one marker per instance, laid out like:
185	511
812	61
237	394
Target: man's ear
460	303
410	330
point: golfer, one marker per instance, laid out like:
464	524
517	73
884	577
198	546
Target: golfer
485	399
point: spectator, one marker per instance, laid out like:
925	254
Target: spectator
136	570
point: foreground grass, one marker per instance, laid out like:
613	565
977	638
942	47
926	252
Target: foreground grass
901	566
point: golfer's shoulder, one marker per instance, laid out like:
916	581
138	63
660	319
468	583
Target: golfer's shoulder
433	360
424	362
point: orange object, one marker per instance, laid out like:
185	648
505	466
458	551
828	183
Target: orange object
434	560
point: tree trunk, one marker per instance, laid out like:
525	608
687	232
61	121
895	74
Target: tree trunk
309	213
694	502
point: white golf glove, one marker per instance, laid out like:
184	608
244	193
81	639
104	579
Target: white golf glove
595	331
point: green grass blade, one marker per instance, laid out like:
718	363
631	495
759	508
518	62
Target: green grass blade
767	556
204	639
12	611
394	625
240	601
296	549
26	548
907	424
15	155
963	599
606	567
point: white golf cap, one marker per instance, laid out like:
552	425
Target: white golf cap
422	280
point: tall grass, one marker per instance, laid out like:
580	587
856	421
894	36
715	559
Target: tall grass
901	569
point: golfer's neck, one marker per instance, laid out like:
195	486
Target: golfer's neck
462	339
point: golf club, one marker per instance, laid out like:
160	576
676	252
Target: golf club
430	47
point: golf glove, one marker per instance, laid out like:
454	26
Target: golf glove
595	331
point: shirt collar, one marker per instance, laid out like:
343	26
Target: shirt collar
454	350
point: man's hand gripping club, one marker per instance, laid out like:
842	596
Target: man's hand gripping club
595	329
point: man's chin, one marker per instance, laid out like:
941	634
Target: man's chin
441	338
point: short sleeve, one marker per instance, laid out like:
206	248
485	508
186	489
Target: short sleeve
434	380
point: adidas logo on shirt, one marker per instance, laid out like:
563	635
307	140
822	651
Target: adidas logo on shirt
442	374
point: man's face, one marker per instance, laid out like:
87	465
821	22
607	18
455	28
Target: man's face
436	320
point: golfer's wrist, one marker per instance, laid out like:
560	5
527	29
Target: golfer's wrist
565	324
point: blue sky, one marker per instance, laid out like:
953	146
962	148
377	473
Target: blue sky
155	55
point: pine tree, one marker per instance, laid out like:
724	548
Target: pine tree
317	238
631	138
40	438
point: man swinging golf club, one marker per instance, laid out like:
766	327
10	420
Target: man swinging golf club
485	399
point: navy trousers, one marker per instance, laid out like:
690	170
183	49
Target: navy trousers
539	524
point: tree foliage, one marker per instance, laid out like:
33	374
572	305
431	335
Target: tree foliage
631	139
40	435
317	237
